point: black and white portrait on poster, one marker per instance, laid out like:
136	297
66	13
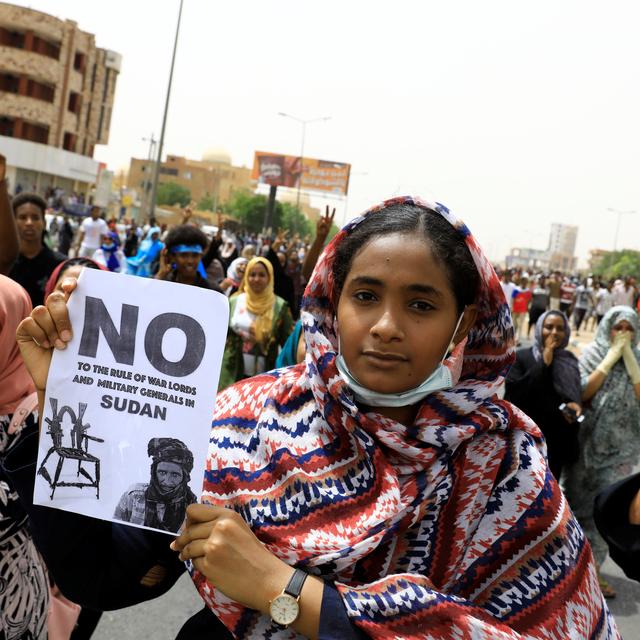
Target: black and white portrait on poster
126	422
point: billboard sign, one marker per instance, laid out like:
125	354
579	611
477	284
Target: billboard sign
309	174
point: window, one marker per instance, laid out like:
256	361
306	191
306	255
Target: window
45	48
79	61
69	143
40	91
105	87
187	175
168	171
11	38
93	77
9	83
100	122
75	102
35	132
6	127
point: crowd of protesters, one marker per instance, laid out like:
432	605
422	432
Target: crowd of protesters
407	340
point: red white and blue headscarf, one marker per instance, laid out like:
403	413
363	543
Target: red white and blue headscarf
451	527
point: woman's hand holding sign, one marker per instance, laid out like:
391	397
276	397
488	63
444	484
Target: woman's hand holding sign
47	327
226	551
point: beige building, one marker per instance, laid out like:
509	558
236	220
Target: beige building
214	176
56	89
562	246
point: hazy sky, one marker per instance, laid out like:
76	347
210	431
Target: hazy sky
514	114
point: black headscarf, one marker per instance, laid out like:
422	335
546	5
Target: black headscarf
564	369
178	499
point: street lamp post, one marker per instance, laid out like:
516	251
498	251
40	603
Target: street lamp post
304	124
148	173
154	189
620	214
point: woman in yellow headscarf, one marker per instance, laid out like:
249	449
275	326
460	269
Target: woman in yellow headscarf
259	323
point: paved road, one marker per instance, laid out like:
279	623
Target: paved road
162	618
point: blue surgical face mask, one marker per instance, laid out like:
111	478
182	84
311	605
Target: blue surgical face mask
439	380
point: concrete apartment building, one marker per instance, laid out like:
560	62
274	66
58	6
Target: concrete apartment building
213	176
56	96
562	247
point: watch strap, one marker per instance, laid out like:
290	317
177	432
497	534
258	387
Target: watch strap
295	584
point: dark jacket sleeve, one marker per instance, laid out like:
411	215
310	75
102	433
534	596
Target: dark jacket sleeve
211	252
526	378
282	283
334	621
95	563
612	519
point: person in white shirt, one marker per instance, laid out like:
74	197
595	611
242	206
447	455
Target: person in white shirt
604	301
624	293
92	229
508	288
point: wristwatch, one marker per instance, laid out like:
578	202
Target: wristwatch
285	608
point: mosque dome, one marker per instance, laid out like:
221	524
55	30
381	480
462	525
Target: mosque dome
216	154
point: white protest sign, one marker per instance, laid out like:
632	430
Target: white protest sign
128	408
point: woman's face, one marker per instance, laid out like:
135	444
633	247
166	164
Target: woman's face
396	314
240	269
620	327
187	263
553	326
258	278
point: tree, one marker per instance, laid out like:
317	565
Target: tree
294	221
619	263
249	210
171	193
206	203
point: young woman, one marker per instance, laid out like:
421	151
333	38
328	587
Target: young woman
235	275
610	433
259	323
180	258
412	502
545	377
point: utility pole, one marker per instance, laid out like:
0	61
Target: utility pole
304	124
154	189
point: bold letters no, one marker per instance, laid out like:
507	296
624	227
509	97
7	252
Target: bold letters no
97	318
194	350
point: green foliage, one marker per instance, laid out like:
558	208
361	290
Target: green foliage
249	210
294	221
619	263
171	193
206	203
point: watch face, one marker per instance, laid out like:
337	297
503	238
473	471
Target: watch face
284	609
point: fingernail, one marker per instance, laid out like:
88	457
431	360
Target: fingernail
65	335
172	546
59	344
46	344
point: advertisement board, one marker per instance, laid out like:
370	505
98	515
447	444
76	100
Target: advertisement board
312	174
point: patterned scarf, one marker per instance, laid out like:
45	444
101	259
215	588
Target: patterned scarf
450	527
